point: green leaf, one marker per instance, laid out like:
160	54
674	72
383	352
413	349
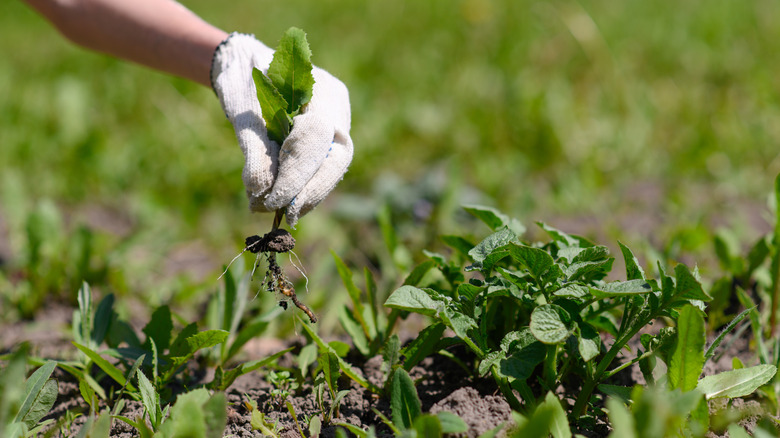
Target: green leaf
273	107
688	287
149	398
423	346
537	261
346	368
621	288
621	420
622	393
103	316
330	368
104	365
414	278
215	413
204	339
731	325
551	324
35	393
687	360
736	383
251	330
494	219
412	299
491	250
290	70
633	270
451	423
588	342
427	426
159	328
354	330
458	322
246	367
85	312
42	402
354	292
458	243
404	402
521	364
559	424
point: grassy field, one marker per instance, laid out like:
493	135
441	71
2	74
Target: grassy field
655	123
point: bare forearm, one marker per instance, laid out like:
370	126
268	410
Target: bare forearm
161	34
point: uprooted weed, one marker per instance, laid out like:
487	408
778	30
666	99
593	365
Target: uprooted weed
277	241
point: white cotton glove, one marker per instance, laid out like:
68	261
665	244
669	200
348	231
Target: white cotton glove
316	154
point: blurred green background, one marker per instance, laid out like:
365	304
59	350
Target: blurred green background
656	123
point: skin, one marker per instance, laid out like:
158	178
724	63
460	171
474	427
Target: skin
161	34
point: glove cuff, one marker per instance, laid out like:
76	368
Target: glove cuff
239	45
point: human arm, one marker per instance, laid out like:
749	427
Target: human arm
161	34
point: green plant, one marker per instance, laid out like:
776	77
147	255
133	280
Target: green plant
407	417
23	406
195	413
535	311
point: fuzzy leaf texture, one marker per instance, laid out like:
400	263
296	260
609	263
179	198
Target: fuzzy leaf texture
290	70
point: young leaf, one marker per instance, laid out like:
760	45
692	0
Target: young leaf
551	324
330	368
737	319
621	420
104	365
688	287
412	299
537	261
149	398
491	249
404	402
621	288
273	107
423	346
736	383
37	395
633	270
494	219
428	426
215	415
103	316
346	368
687	360
451	423
85	313
159	328
559	426
290	70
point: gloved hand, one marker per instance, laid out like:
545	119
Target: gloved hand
316	154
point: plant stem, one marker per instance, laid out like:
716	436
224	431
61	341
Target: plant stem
506	389
587	389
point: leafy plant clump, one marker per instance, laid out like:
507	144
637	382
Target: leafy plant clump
543	316
283	91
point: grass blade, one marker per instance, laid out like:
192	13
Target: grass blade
104	365
737	319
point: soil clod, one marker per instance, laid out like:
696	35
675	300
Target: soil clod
279	240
